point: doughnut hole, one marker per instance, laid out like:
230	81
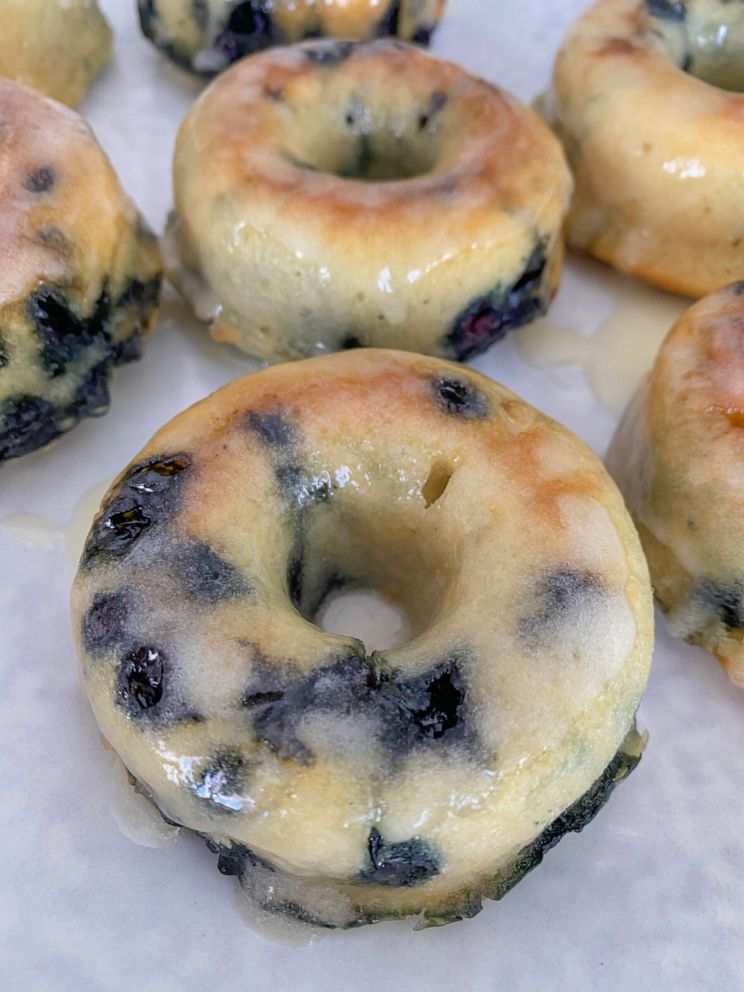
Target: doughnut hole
705	38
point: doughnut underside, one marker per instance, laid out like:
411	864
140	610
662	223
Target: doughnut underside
343	787
648	102
81	283
676	456
205	38
55	46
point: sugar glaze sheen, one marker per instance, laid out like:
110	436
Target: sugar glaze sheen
341	786
333	195
206	36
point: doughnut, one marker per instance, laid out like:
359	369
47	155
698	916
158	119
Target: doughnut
56	46
81	272
344	787
206	37
648	101
331	195
677	456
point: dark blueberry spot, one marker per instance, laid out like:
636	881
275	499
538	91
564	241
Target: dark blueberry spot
726	600
488	319
206	576
3	352
141	679
92	398
431	707
249	28
344	687
40	181
687	63
422	36
54	239
390	21
737	288
460	399
272	428
142	296
558	595
295	571
232	860
667	10
221	782
105	622
437	102
27	423
329	52
148	492
63	333
350	341
301	489
411	862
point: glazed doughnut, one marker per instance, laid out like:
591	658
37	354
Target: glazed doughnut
647	101
56	46
208	36
80	279
343	787
677	456
332	195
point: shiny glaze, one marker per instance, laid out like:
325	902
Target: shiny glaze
298	259
366	784
657	152
677	456
56	46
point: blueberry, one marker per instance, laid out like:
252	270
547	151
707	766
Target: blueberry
63	333
148	492
488	319
422	36
26	423
221	782
329	53
460	399
206	576
432	707
350	341
272	428
141	678
389	23
40	181
248	29
105	622
405	864
726	600
92	398
667	10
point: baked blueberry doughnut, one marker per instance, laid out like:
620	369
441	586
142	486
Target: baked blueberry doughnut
677	456
331	195
80	279
207	36
344	787
56	46
648	101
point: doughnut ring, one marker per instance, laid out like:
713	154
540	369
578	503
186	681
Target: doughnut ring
80	282
333	195
677	457
343	787
648	100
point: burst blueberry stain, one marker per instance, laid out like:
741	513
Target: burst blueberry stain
148	492
62	332
430	708
220	783
491	317
460	399
105	623
559	594
141	679
26	423
272	428
301	488
726	600
40	181
206	576
402	865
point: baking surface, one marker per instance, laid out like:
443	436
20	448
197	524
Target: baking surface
649	897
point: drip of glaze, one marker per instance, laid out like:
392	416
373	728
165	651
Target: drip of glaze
36	530
135	815
622	349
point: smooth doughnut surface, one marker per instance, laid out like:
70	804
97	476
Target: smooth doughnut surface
207	36
332	195
656	145
56	46
343	787
80	273
678	456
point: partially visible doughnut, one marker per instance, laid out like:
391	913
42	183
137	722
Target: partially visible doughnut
332	195
648	100
55	46
678	456
80	274
344	787
207	36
